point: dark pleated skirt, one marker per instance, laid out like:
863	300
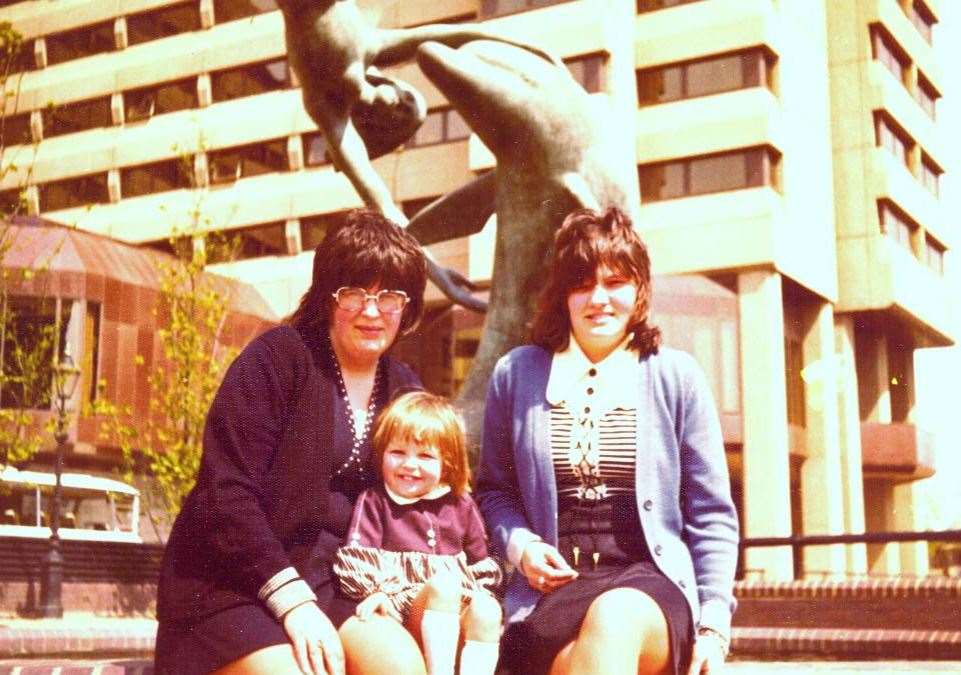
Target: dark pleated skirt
211	642
612	530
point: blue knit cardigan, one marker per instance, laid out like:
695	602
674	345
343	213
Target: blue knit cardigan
682	485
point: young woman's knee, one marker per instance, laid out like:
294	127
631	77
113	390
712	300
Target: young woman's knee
482	618
623	610
443	592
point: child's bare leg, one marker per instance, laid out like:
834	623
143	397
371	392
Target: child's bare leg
438	624
482	631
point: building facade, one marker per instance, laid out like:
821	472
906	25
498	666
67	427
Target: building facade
788	155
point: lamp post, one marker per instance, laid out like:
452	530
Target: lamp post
65	377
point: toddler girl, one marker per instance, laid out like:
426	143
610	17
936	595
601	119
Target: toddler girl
416	546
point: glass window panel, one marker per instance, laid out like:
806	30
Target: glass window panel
431	131
74	44
660	85
12	202
313	228
260	241
230	10
922	20
17	57
714	75
926	97
172	174
653	5
74	192
29	335
662	181
142	104
586	70
255	159
457	128
930	178
163	22
78	116
315	149
717	174
15	130
249	80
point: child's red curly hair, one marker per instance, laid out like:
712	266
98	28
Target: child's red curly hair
426	418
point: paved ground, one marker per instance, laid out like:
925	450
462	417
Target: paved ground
134	667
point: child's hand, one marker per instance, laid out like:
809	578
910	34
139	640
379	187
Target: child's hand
376	603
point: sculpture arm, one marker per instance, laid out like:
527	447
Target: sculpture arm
400	44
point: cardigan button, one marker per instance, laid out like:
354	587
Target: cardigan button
590	390
682	583
592	372
658	549
648	505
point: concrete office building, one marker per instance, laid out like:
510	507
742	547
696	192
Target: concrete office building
788	154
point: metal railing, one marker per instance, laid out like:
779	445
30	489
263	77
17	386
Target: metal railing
798	542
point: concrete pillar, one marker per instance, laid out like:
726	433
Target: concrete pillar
822	488
849	434
766	477
909	497
879	505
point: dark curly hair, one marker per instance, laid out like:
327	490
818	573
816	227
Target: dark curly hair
367	249
586	240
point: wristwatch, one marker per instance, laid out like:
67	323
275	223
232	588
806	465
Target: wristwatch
707	630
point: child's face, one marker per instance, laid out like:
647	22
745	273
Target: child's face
411	469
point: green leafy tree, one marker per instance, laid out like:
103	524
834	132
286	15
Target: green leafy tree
27	343
167	444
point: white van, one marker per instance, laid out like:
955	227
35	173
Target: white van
92	508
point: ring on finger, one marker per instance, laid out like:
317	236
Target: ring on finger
541	581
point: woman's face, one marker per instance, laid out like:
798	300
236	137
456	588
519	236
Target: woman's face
361	336
411	469
600	310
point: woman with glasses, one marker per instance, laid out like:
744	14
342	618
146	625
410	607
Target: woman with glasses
246	584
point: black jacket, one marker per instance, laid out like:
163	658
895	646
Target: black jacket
261	496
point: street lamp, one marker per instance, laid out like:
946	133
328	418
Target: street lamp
65	378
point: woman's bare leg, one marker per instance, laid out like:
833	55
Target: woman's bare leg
624	633
274	659
380	646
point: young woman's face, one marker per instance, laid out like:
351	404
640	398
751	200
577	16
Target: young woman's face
411	469
360	336
600	310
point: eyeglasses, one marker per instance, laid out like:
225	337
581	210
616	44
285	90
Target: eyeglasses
352	299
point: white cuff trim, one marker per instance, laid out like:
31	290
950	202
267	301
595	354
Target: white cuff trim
284	576
518	541
289	596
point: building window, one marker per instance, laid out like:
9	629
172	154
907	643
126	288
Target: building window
231	10
148	179
934	256
315	149
80	42
752	167
926	96
922	18
492	8
12	202
15	130
70	118
249	80
251	242
889	135
31	329
73	192
588	71
931	175
887	51
440	126
163	22
17	57
653	5
793	365
142	104
314	228
726	72
230	164
896	225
